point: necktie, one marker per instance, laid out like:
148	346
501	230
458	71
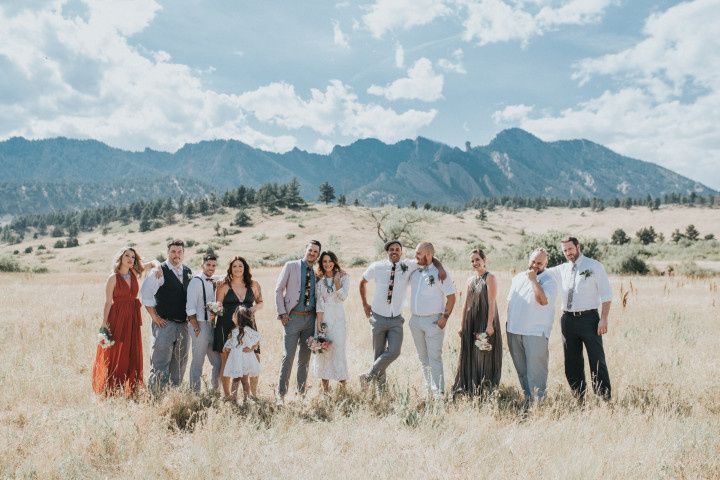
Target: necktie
391	284
571	293
307	286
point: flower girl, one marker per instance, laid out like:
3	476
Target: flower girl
242	362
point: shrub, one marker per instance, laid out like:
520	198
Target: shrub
59	244
358	262
8	264
633	265
41	247
619	237
28	250
289	236
71	242
646	235
693	270
190	243
242	219
260	237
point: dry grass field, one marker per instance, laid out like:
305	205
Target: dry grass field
663	356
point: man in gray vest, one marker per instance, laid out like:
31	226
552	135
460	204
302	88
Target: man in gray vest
165	299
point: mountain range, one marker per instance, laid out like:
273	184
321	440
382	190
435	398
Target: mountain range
61	173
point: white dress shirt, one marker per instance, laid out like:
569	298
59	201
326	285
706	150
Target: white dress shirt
590	281
152	284
428	294
380	272
195	304
525	315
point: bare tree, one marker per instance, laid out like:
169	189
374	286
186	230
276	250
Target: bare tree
397	224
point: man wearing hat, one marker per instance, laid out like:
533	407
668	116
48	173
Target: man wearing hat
391	276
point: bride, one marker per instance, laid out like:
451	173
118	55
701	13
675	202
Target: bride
331	290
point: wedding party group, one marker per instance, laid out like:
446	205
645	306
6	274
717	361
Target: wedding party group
211	317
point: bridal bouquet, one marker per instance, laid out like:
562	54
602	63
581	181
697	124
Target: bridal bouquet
105	338
481	342
216	308
319	343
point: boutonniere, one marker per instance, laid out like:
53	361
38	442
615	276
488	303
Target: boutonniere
586	273
403	267
430	280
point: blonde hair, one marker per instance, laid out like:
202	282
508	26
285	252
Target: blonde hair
137	267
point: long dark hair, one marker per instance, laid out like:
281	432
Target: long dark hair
243	317
247	276
333	257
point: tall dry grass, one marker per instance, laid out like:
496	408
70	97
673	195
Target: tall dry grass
663	422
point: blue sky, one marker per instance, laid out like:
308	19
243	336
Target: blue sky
641	77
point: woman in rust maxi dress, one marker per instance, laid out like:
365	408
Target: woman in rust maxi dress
118	369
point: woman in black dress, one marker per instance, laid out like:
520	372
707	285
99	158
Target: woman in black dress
238	289
479	371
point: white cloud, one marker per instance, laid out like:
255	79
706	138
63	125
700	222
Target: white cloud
79	77
322	146
386	15
512	114
336	110
422	83
490	21
339	38
668	105
454	65
399	56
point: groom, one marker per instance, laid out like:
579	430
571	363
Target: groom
295	302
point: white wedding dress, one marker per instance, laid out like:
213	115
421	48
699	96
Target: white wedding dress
332	364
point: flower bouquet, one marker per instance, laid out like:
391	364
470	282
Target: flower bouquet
105	338
319	343
482	343
216	308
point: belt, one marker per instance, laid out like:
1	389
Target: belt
294	312
580	314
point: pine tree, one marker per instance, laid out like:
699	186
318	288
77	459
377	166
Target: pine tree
327	193
691	232
342	200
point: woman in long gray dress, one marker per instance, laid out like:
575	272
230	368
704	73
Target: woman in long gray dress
479	370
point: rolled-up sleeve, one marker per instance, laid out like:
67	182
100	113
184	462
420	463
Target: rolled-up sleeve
149	288
369	273
448	286
193	292
603	284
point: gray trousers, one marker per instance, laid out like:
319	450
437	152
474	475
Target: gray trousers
297	331
169	355
202	346
428	338
530	356
387	336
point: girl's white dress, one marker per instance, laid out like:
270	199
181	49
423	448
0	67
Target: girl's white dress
241	363
332	365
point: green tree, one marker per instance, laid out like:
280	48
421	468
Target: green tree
646	235
619	237
676	235
293	199
327	193
691	232
342	200
242	219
